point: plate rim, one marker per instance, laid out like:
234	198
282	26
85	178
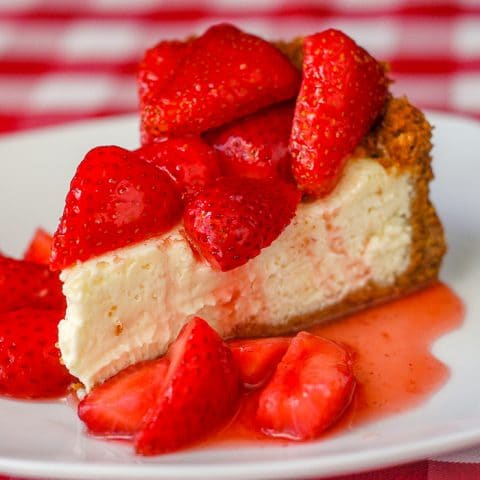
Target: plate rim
282	469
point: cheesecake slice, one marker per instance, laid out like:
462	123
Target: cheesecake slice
134	272
374	237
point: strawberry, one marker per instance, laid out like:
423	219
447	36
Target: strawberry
117	407
114	201
200	392
343	91
256	146
159	64
224	75
40	247
257	358
28	284
234	218
29	360
189	161
311	387
155	70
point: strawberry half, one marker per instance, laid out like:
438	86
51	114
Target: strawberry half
256	146
234	218
311	387
200	391
343	91
118	406
189	161
40	247
29	360
159	64
257	358
224	75
155	70
114	201
28	284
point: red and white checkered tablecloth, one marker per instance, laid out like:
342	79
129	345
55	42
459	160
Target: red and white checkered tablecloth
62	60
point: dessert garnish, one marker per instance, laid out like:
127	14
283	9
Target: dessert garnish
222	75
168	403
40	247
311	387
343	91
28	284
256	358
29	358
114	200
234	218
189	161
256	146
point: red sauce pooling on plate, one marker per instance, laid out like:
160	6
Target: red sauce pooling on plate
394	367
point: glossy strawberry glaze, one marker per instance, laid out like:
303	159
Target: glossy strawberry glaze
394	366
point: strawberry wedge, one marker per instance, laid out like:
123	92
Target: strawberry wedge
343	91
311	387
200	392
222	75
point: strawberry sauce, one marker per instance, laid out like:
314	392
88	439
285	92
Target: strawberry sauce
394	366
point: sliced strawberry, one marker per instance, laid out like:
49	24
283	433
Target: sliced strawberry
29	360
28	284
343	91
256	146
159	65
114	201
234	218
225	74
200	391
257	358
40	247
310	389
155	70
118	406
189	161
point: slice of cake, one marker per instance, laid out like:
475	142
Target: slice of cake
144	244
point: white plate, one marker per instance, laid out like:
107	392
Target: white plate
46	439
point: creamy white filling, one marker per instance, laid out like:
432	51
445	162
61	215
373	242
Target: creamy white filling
129	304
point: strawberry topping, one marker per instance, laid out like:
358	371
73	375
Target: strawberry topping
114	201
40	247
159	65
311	387
189	161
170	402
343	91
29	360
233	219
200	392
225	74
117	407
155	70
256	146
28	284
257	358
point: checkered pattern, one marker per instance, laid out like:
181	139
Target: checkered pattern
62	60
